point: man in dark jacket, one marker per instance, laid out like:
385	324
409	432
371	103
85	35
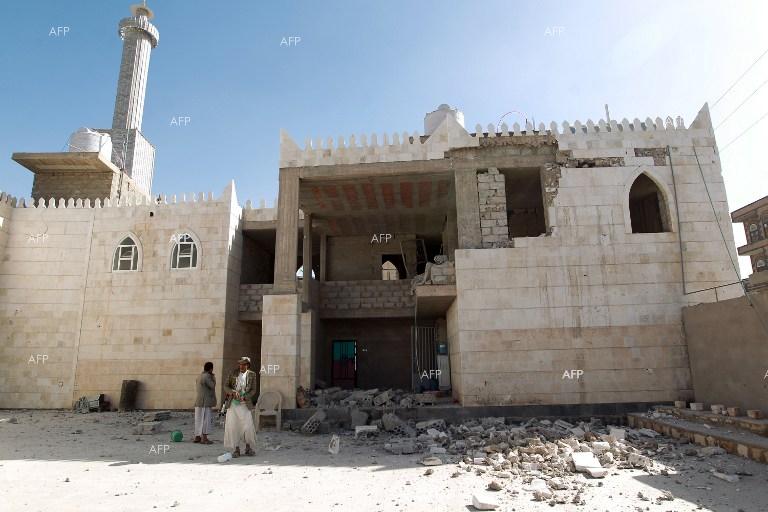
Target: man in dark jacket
205	400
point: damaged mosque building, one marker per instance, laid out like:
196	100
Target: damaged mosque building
512	265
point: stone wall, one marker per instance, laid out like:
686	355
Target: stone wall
728	350
60	297
594	296
366	298
492	200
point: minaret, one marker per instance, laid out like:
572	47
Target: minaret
139	38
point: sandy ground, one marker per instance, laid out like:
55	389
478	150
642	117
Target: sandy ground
62	461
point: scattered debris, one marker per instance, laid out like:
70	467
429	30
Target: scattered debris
334	445
484	501
431	461
723	476
313	423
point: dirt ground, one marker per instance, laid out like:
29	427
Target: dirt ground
63	461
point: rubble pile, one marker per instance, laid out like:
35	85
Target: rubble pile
366	398
554	459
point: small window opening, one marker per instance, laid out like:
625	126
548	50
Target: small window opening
647	210
392	267
126	256
184	253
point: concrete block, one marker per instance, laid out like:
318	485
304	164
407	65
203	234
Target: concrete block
755	414
697	406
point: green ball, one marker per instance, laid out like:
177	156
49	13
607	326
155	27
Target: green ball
177	436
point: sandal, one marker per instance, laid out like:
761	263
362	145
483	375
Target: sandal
236	453
197	439
250	452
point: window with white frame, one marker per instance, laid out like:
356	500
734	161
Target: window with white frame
184	253
126	256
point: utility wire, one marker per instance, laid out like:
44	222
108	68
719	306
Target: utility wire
740	77
745	131
740	104
727	248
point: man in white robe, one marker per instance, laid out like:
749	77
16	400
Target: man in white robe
238	427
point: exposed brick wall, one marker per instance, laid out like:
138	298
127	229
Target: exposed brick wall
492	198
252	297
365	298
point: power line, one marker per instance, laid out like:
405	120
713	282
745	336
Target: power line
745	131
740	104
727	247
738	79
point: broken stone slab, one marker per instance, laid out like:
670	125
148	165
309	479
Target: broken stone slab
401	447
366	429
431	461
584	460
647	432
382	398
484	501
157	416
639	461
559	484
597	472
728	478
577	432
599	447
563	424
312	425
148	427
617	433
358	418
495	486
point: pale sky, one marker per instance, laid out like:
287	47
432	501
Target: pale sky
365	67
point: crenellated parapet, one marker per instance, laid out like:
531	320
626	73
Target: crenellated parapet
400	147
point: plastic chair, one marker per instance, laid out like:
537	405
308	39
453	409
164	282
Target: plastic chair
269	404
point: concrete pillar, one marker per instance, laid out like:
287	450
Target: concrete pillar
307	258
281	345
287	242
323	255
467	209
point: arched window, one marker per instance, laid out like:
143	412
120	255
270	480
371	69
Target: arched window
126	256
389	271
184	254
647	208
